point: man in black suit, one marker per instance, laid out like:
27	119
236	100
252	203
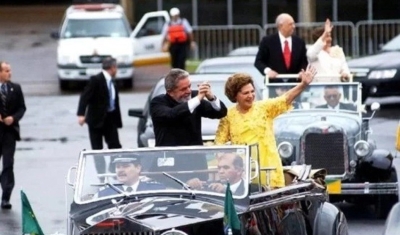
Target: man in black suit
332	97
100	103
281	53
177	114
12	109
128	171
230	169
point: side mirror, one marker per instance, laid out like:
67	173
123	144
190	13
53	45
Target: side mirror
375	106
55	35
136	113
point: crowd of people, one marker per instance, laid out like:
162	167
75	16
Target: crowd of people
177	114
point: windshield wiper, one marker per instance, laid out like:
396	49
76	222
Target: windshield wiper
184	185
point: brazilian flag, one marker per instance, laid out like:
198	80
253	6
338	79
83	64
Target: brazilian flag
30	224
231	218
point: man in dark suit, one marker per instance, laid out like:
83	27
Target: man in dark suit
177	114
128	171
12	109
99	108
230	169
281	53
332	96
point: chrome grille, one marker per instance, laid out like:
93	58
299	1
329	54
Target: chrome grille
326	150
92	59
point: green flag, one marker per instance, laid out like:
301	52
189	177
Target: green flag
231	219
29	223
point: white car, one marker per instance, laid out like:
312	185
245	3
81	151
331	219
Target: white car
90	32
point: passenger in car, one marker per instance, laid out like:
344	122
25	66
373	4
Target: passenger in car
250	122
332	97
128	170
230	169
327	59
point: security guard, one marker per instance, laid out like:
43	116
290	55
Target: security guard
178	34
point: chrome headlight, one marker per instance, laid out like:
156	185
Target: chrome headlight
362	148
174	232
285	149
382	74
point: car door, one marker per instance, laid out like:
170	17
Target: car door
147	37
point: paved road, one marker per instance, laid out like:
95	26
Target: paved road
52	138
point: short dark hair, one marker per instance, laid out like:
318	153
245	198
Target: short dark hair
108	63
317	33
235	83
237	160
173	77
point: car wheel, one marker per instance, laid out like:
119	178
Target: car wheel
383	205
64	85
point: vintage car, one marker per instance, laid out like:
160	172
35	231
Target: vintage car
166	202
337	139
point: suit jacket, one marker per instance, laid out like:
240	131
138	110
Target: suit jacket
143	186
173	123
95	99
270	55
341	106
15	106
240	189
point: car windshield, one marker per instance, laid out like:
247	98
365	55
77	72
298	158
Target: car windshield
327	96
233	68
205	169
78	28
392	45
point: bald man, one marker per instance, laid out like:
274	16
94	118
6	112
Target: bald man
281	53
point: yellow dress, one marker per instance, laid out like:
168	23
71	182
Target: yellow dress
256	126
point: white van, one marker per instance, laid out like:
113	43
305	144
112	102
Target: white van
90	32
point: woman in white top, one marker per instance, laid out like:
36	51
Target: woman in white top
327	59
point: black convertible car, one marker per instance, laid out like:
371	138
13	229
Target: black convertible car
164	201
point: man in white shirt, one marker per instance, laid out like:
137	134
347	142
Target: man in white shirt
128	171
230	169
281	53
332	97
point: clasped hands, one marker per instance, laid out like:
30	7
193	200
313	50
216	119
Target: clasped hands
197	184
8	120
205	91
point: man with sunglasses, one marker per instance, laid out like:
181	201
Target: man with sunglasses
332	97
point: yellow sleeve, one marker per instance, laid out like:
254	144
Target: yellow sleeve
222	135
276	106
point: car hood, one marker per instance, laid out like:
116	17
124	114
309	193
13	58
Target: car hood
385	59
100	46
293	124
159	214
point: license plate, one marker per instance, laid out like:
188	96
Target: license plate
91	72
334	186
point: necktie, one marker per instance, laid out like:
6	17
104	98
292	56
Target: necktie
111	101
129	189
3	97
287	54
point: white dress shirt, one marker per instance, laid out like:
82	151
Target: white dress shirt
235	186
108	79
194	102
333	62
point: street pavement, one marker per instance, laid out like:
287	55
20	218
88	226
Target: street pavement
52	139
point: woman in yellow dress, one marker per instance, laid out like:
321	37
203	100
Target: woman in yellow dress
250	122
